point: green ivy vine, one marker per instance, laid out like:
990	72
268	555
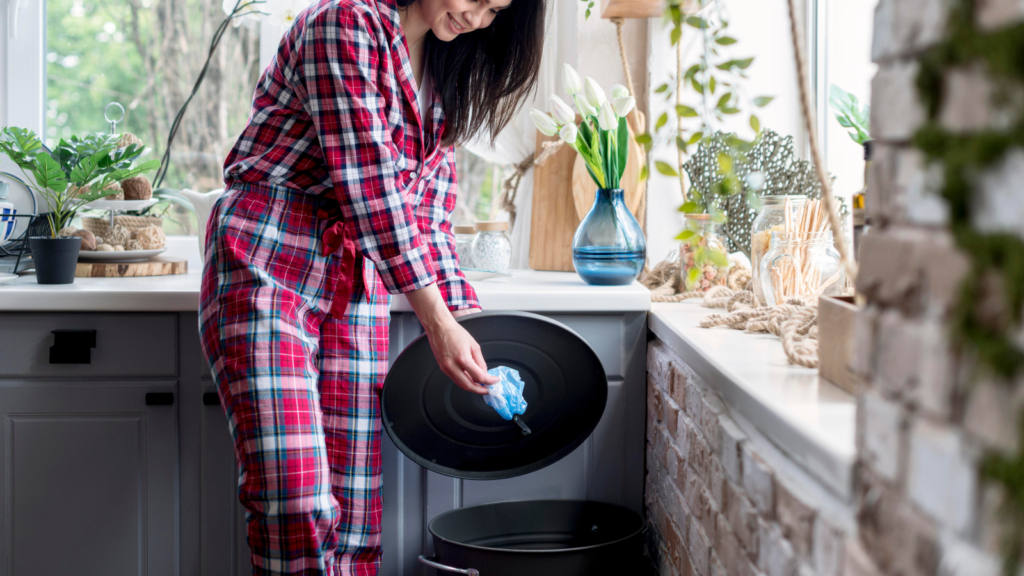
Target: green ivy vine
989	339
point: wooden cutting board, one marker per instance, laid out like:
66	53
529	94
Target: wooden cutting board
553	215
155	266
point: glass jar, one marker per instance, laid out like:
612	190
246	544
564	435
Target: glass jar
800	265
772	218
609	248
703	257
464	236
492	250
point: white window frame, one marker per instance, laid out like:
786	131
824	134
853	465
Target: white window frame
22	64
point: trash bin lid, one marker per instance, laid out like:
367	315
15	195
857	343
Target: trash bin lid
453	432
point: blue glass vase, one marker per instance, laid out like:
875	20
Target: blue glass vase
609	248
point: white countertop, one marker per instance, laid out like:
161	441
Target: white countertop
807	417
526	290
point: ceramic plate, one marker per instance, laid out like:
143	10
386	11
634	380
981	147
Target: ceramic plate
24	201
124	256
7	277
474	274
122	205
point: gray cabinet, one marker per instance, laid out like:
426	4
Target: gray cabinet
89	467
213	520
98	482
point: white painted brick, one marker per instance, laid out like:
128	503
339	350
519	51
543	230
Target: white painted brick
898	349
961	558
903	27
991	414
699	548
658	365
881	434
941	480
730	441
932	388
757	481
995	14
999	204
856	561
967	103
776	557
896	110
827	548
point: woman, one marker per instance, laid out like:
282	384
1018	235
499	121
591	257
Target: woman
339	193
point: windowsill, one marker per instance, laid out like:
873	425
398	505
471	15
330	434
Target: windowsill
807	417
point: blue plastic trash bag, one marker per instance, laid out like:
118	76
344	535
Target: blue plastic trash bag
506	397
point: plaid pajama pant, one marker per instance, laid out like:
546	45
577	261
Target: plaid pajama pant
301	389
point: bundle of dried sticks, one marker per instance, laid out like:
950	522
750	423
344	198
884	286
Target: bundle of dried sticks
799	273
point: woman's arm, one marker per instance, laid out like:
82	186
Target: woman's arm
456	351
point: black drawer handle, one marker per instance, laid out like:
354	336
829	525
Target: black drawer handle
159	399
210	399
72	346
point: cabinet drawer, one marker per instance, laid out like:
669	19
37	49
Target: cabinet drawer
125	345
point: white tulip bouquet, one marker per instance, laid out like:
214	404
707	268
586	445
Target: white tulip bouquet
601	137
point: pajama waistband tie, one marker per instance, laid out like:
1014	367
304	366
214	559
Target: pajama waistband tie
350	274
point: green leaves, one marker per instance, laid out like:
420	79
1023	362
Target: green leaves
62	175
692	276
685	111
48	174
665	168
850	114
662	120
762	101
755	124
725	41
690	207
718	258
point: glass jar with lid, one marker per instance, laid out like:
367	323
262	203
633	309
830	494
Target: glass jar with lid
492	250
703	257
772	218
464	236
804	264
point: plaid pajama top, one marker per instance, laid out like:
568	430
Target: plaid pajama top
336	113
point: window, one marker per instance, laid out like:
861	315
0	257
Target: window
146	55
847	58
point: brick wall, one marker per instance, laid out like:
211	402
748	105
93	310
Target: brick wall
720	499
722	502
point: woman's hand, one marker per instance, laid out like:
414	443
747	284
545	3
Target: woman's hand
457	353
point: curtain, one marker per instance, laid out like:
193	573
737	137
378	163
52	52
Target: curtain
519	138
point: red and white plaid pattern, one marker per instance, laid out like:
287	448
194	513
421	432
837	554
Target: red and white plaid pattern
336	112
301	388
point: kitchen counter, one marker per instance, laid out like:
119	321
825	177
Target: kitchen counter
810	419
525	290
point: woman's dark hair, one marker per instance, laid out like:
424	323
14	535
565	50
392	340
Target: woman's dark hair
484	76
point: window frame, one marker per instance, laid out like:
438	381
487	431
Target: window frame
23	94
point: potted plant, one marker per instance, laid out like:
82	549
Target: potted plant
68	177
608	247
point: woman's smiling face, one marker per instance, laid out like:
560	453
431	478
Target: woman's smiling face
449	18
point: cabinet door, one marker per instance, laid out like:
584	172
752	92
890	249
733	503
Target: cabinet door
89	473
212	518
224	549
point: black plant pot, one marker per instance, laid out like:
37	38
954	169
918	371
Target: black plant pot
55	258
